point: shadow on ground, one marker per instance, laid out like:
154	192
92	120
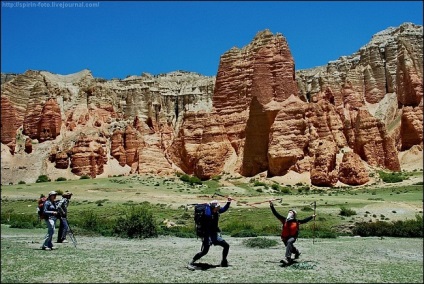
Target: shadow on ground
203	266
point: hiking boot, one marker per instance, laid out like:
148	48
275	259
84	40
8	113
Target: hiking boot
296	255
224	263
191	266
65	241
286	260
45	248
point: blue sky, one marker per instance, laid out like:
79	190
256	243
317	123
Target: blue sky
116	39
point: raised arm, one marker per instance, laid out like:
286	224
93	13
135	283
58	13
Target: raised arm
306	220
276	214
225	208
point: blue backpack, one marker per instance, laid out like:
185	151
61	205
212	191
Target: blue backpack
200	219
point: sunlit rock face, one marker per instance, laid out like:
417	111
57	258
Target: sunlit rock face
257	116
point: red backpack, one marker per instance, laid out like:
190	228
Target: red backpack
40	208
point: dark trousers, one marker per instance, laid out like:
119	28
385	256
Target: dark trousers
206	244
63	229
290	248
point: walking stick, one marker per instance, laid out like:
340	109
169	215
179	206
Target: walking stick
218	194
315	208
260	202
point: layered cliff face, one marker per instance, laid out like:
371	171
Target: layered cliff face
258	116
383	78
239	125
137	117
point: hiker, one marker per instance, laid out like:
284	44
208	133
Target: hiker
290	232
50	213
62	208
212	234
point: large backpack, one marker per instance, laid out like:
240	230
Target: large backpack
200	219
40	208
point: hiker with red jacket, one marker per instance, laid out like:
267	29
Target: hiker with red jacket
290	232
212	234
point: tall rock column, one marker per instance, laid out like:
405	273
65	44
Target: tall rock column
8	124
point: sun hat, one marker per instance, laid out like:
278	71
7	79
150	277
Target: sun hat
67	193
215	203
52	193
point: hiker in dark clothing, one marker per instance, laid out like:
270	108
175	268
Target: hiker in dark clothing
62	208
50	212
290	232
212	234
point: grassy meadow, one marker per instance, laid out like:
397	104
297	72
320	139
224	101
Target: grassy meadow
169	199
330	249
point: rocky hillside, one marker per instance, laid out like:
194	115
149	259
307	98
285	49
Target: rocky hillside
258	116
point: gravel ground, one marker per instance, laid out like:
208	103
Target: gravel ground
164	259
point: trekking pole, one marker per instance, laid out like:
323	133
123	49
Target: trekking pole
260	202
315	208
218	194
191	204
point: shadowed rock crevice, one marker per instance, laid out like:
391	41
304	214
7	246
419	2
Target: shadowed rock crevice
258	126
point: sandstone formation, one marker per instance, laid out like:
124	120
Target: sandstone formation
8	124
352	170
289	138
259	116
88	156
390	64
62	160
324	171
247	80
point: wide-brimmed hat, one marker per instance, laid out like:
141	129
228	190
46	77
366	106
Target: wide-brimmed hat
67	193
52	193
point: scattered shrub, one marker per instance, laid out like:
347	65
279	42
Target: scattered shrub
216	178
285	190
260	243
85	177
61	179
136	222
190	179
392	177
21	221
347	212
407	228
258	183
21	182
276	187
43	178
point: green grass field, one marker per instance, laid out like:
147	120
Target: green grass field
167	198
